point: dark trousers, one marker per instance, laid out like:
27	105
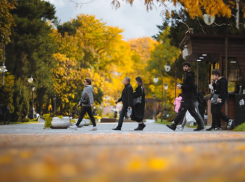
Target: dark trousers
202	111
217	114
83	112
187	105
122	114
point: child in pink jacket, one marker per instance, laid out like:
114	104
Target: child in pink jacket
177	103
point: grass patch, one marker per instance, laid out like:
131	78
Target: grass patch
163	121
241	127
31	121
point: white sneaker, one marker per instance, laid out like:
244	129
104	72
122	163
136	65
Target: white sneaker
230	124
218	129
73	127
179	127
94	129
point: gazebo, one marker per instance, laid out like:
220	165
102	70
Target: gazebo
213	49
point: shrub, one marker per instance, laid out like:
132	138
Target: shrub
27	119
171	116
72	121
20	102
6	93
60	116
48	119
241	127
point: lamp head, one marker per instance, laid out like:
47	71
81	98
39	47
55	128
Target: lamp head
33	88
167	67
155	79
30	79
166	86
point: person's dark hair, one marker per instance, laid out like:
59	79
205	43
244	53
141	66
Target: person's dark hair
88	80
216	72
140	82
186	63
180	95
128	79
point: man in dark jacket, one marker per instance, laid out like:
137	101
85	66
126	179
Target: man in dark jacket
187	99
127	100
220	88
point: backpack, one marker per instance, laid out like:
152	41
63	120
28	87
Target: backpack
201	100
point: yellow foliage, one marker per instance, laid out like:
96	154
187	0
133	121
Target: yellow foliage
195	8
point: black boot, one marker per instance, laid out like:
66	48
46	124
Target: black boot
117	128
138	128
142	126
172	127
199	127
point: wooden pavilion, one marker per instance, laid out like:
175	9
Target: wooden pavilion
213	49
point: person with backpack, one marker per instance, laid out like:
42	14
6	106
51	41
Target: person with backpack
220	96
201	103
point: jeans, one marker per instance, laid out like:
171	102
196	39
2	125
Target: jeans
83	112
122	114
188	105
195	104
217	114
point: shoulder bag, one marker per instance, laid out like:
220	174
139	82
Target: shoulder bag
138	100
214	99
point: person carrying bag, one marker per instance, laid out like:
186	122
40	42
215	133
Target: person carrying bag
139	104
87	103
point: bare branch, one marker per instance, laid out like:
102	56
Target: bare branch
200	25
80	3
183	21
220	24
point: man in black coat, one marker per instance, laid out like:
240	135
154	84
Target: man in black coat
187	99
127	100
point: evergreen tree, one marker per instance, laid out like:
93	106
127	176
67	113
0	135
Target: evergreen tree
31	48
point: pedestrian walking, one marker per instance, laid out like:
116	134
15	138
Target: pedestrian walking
139	104
196	106
87	102
220	96
187	99
127	100
177	103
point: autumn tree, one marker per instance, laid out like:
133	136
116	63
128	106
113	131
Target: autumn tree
163	53
194	8
6	22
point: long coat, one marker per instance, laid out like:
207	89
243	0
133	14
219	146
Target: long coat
139	109
127	96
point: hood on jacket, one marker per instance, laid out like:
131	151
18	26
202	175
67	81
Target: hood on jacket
191	72
90	87
179	98
221	79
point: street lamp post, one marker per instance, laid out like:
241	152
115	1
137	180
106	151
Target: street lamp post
32	110
167	69
3	70
32	105
154	99
54	104
154	107
165	108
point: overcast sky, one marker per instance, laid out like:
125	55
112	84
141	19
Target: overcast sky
135	20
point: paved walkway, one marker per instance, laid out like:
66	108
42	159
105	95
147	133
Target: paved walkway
30	153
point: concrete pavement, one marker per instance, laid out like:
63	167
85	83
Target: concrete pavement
30	153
